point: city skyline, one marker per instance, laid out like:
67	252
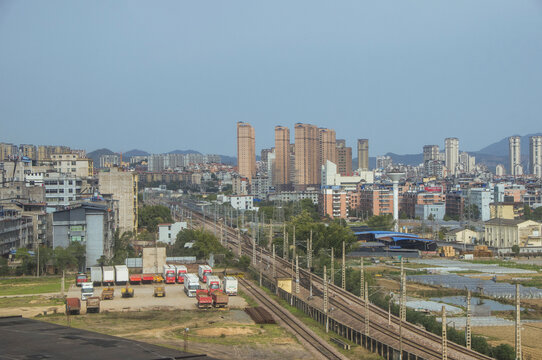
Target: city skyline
400	75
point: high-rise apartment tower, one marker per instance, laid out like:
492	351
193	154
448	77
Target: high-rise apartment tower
363	154
452	154
246	150
535	155
344	158
307	153
328	149
281	172
515	155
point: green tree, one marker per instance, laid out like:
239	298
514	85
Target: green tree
244	262
381	222
527	213
472	212
122	247
151	215
515	250
536	214
503	352
205	243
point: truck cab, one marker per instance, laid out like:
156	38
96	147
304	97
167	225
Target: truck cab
80	278
87	290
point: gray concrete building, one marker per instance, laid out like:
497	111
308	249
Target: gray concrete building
92	225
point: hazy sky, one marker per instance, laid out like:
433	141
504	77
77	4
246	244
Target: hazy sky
164	75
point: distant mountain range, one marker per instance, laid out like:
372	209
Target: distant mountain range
95	155
491	155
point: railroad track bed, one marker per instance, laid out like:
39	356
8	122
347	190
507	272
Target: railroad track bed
316	344
428	345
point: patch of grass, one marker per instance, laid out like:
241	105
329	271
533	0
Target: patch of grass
508	264
250	301
26	301
32	285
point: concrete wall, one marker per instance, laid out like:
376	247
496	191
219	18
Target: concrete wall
154	260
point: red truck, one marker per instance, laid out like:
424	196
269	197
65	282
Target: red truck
181	271
147	278
205	300
73	306
220	299
170	274
135	279
80	278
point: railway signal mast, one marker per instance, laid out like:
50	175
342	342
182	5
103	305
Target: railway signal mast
343	270
518	325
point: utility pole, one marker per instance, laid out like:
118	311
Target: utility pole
239	248
325	299
332	267
343	269
274	264
253	251
309	253
297	274
361	280
38	262
293	242
518	325
62	284
270	233
403	293
467	327
444	335
285	247
366	310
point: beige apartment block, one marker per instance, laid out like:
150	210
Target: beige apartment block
307	153
246	150
72	164
281	171
328	147
122	185
505	233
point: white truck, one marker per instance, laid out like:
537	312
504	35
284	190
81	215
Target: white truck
230	285
191	284
96	275
87	290
213	282
108	275
203	271
121	274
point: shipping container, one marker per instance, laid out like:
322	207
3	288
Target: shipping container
121	274
108	275
96	275
230	285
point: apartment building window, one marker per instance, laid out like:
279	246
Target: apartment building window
73	162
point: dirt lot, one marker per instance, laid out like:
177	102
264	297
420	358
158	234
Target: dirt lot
144	300
220	334
531	344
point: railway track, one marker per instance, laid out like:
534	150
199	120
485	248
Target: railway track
316	344
339	301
